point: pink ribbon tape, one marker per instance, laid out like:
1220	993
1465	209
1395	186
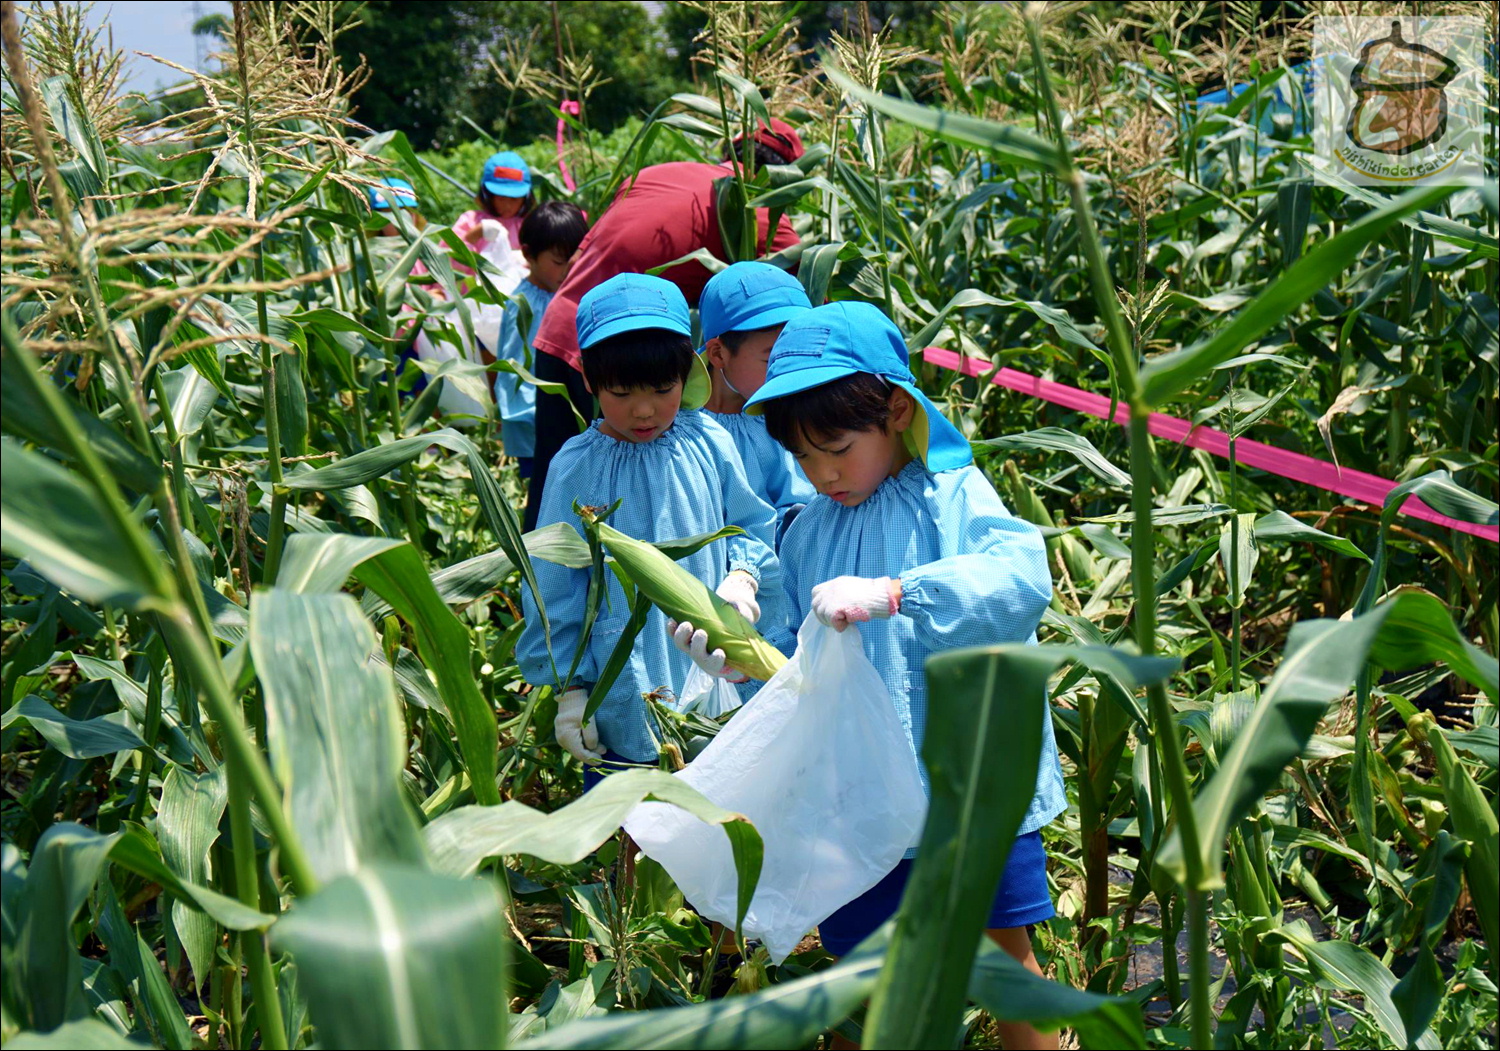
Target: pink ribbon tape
1367	488
571	108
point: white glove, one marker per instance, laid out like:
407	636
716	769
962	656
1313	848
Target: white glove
739	589
579	741
852	600
493	232
695	645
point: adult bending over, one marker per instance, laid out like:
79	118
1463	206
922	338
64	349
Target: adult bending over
666	212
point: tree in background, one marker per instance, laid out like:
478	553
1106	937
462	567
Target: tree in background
422	57
430	64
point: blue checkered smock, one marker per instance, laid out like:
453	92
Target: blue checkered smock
971	575
685	483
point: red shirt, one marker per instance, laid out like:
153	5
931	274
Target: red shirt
667	212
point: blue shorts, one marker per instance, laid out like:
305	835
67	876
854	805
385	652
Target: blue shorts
593	773
1021	899
523	466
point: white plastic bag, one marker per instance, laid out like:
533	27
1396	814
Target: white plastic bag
707	694
496	249
820	764
460	393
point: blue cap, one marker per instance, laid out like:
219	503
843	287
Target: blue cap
830	342
400	190
629	302
749	296
506	174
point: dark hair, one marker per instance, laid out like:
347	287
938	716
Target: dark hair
735	339
860	402
646	357
554	224
764	155
485	197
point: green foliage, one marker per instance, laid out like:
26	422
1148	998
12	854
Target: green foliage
430	65
273	776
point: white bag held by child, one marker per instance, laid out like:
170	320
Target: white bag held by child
818	761
495	248
708	695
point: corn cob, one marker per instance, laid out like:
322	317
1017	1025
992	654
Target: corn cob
681	596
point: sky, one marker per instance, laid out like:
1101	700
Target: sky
161	27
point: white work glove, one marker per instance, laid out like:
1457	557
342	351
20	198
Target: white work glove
852	600
492	232
739	589
579	741
695	645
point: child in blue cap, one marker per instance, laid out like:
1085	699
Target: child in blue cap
550	235
504	195
907	537
678	475
741	312
399	193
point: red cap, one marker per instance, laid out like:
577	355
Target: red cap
780	138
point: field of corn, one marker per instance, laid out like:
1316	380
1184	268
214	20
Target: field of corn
272	778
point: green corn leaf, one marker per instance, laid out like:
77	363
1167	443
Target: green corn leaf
155	1004
1354	969
25	416
461	839
748	93
1165	377
187	826
76	738
981	749
787	1014
1056	439
74	123
190	399
334	732
1011	993
1238	555
1278	525
619	655
386	954
1058	319
498	514
1440	226
43	973
1012	144
86	1034
1473	818
394	572
56	522
1322	659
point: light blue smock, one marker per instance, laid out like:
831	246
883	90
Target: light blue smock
971	575
770	469
514	397
687	482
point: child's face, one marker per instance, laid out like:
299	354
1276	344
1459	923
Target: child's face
746	369
639	414
413	219
848	466
501	207
549	269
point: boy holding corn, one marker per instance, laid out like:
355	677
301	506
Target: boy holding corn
908	538
678	475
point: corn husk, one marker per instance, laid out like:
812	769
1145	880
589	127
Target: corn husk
682	596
